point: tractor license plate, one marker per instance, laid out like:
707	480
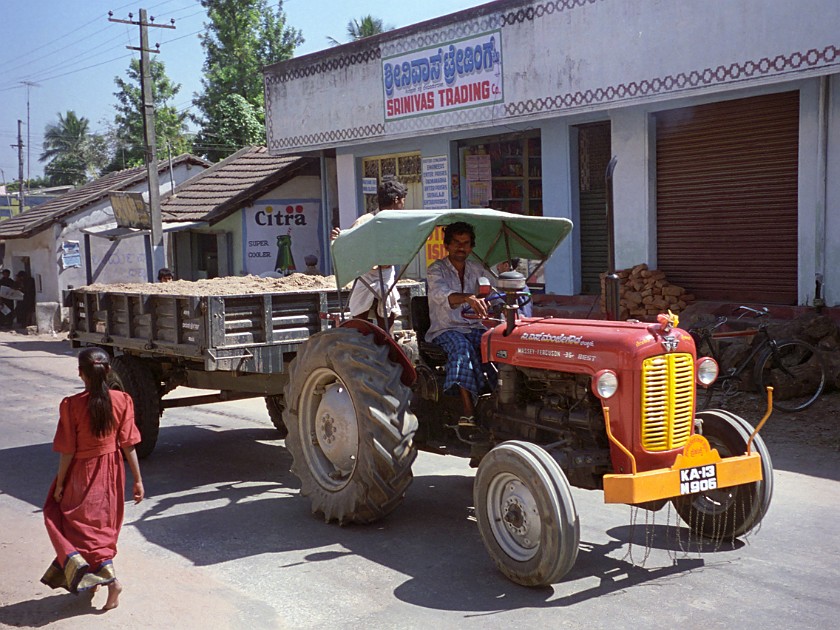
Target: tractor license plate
698	479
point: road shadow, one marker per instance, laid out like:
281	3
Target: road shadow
186	458
228	495
59	345
37	613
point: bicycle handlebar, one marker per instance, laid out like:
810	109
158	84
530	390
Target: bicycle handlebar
763	312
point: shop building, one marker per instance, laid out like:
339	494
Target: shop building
724	119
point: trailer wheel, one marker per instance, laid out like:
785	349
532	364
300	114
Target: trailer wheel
131	376
275	406
734	511
526	514
350	428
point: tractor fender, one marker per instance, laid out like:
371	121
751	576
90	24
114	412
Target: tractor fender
395	353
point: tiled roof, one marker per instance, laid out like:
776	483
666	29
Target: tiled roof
46	214
232	183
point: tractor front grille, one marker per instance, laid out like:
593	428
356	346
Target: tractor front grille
667	401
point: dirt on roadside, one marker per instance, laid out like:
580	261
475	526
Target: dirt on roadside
819	425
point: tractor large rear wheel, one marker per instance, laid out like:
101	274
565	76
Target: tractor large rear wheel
350	428
130	375
526	514
728	512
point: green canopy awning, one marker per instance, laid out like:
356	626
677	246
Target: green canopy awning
394	237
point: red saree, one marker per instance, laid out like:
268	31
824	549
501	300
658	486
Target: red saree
85	525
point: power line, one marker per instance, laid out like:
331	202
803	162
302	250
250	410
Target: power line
73	31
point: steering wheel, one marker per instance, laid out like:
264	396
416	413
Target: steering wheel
497	301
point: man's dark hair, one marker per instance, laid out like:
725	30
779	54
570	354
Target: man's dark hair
390	190
6	272
163	272
459	227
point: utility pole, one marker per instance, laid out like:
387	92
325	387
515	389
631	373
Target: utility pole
158	250
19	147
28	85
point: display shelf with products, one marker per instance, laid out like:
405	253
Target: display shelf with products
515	169
517	175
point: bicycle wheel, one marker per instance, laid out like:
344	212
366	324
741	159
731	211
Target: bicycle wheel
795	370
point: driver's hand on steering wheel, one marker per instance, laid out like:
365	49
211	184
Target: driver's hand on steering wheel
478	305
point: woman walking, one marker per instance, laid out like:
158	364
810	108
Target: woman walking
85	506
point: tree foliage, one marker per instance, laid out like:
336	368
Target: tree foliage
366	26
236	123
127	133
72	152
242	37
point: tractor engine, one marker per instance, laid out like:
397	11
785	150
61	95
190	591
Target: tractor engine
557	408
541	404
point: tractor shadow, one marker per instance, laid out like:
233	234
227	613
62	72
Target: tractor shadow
217	496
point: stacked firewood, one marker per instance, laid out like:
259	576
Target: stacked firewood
644	293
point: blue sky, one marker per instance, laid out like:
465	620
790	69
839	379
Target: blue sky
72	52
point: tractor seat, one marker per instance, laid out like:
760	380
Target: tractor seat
431	352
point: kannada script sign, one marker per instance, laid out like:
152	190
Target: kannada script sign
466	73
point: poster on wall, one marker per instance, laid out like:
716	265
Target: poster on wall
453	75
71	254
479	180
281	236
435	182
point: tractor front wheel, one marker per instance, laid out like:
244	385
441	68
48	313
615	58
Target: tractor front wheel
733	511
526	514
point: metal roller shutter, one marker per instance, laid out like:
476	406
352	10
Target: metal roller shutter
726	198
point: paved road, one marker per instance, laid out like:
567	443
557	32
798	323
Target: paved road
224	540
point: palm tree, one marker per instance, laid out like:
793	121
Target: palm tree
364	27
66	148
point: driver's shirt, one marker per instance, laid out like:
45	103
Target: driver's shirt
442	279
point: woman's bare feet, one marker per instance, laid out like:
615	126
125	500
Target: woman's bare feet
114	590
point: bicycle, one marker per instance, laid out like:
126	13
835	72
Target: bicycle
794	368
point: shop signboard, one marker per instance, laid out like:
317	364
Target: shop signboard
454	75
130	210
435	182
280	236
435	197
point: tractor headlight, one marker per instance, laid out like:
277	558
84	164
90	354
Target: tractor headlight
605	383
707	370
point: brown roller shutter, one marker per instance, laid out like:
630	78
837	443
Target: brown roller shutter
726	198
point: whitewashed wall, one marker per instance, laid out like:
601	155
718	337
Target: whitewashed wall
117	261
559	57
569	62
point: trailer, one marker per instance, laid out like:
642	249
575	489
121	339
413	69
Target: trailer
183	334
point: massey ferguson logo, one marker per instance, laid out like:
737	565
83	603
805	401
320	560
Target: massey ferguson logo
670	343
574	340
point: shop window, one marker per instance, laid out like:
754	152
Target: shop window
504	173
405	167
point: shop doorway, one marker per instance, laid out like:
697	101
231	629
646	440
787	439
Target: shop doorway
594	150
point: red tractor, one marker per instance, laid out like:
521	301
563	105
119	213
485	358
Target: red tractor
602	405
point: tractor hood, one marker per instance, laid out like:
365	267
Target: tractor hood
394	237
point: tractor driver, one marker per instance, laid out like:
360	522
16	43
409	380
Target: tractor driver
451	282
